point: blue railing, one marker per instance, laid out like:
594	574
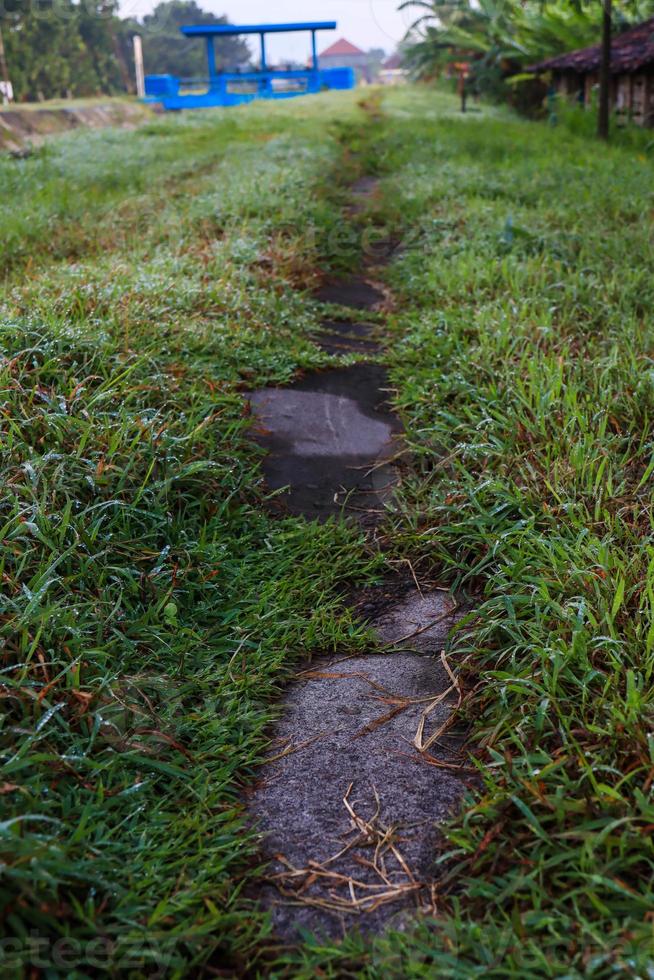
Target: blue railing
234	88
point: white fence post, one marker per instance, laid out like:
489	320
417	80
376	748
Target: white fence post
138	65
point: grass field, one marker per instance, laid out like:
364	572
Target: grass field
151	611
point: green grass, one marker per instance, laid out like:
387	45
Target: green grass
523	361
152	611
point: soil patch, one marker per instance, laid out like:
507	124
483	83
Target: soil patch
21	128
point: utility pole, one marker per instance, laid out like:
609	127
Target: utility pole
138	66
604	115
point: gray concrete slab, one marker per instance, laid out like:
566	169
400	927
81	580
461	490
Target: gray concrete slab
348	726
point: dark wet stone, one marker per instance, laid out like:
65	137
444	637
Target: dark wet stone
344	337
326	437
354	292
364	187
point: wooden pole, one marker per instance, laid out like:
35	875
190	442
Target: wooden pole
138	66
604	114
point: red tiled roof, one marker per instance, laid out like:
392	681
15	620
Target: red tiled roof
629	52
341	48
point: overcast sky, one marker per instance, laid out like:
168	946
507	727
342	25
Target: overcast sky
367	23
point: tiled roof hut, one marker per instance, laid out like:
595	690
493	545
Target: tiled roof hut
632	73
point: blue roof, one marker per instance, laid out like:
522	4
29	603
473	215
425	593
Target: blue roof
226	30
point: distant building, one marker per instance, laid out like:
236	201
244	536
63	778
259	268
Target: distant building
343	54
392	72
576	74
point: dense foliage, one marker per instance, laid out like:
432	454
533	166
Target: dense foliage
499	37
62	48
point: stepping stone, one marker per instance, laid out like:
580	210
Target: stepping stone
354	292
346	338
364	186
349	808
327	437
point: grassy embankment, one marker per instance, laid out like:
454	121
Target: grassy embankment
524	360
24	125
151	610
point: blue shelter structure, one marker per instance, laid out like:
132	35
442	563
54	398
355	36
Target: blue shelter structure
234	88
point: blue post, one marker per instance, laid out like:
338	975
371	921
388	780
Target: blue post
314	79
314	50
265	87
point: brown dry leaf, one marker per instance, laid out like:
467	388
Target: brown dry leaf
382	719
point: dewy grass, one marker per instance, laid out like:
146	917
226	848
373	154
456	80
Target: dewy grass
523	361
91	191
151	611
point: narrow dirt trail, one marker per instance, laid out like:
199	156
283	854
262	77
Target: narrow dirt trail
349	809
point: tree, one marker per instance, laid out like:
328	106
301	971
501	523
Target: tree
167	51
478	33
60	48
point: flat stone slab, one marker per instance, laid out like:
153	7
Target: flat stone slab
421	621
349	808
326	437
353	291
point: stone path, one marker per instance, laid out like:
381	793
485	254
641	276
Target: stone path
327	437
348	807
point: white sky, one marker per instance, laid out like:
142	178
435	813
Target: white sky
366	23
